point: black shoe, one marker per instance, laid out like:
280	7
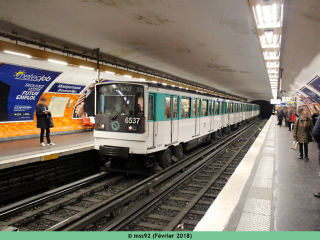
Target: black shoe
317	194
306	157
301	157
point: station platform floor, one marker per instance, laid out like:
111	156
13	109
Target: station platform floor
24	151
271	190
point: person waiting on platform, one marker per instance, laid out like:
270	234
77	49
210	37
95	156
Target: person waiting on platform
43	118
280	116
302	133
315	117
288	118
316	135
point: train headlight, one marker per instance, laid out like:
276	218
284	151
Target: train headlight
100	126
132	128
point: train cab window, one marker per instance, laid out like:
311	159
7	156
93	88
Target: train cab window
185	107
120	99
221	108
204	106
167	113
175	107
150	109
216	108
210	108
195	107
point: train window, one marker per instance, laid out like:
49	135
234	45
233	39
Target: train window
120	99
221	108
216	108
150	113
195	107
185	107
175	107
210	108
168	108
204	106
231	108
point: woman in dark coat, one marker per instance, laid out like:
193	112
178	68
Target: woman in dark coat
43	115
280	117
302	133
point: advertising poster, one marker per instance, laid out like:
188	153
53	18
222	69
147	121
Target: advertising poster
66	88
304	99
84	107
315	83
20	90
311	94
57	106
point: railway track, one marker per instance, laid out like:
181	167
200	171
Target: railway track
102	205
180	204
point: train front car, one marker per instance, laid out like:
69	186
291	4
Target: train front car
120	129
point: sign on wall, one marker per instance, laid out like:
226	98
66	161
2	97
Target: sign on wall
20	90
311	94
315	83
66	88
58	105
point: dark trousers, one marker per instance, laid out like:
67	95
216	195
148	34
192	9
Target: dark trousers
289	125
305	147
47	135
280	122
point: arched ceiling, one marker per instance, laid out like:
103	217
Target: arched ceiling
209	41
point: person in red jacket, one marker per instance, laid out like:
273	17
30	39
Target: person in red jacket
294	118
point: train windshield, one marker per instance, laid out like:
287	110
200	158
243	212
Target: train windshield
120	99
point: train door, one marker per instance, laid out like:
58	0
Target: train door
174	119
222	112
196	115
152	126
211	108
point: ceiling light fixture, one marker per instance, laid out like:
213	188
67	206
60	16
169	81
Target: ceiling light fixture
268	16
142	79
110	72
18	54
58	62
272	64
127	76
88	68
271	55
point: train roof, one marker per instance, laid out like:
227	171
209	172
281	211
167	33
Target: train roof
175	88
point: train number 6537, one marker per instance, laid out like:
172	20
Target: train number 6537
131	120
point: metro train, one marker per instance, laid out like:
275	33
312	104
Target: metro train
140	124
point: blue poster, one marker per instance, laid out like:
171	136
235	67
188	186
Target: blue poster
66	88
20	90
315	83
311	94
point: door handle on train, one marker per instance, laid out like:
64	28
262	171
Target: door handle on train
157	127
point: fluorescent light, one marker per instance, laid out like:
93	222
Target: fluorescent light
273	42
127	76
272	64
154	82
88	68
59	62
173	86
180	87
142	79
273	71
268	16
271	55
273	76
164	84
110	72
19	54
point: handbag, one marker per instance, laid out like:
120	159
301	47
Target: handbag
309	137
296	145
51	124
293	144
